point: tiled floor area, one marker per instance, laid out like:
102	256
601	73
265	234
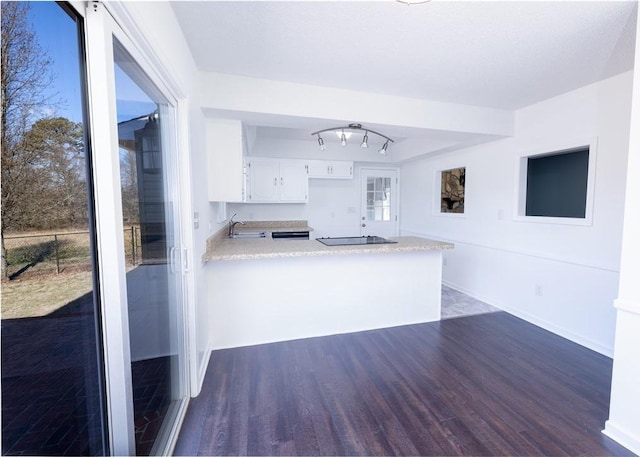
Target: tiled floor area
457	304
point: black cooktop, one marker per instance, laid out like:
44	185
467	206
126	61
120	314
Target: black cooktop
354	240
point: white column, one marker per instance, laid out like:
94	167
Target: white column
624	413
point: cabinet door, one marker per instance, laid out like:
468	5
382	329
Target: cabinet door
225	173
318	168
263	180
330	169
294	182
341	169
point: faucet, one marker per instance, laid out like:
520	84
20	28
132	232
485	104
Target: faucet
232	226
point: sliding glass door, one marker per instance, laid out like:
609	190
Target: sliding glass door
93	309
138	190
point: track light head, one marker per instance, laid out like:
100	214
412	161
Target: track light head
383	149
321	144
365	140
343	139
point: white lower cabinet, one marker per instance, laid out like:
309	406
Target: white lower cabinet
330	169
277	181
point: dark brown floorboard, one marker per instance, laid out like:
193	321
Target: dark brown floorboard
482	385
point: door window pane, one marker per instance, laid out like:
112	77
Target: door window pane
52	383
153	279
378	199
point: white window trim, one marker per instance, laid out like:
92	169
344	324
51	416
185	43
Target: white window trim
521	182
437	193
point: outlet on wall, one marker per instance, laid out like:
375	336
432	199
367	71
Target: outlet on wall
538	290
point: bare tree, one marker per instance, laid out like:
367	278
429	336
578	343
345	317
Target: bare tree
56	176
26	74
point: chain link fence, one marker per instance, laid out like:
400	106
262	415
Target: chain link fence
54	253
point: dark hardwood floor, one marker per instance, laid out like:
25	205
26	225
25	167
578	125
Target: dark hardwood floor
485	385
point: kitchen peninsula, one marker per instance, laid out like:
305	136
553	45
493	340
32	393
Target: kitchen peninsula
265	290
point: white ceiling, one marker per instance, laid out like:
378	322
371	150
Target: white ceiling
502	54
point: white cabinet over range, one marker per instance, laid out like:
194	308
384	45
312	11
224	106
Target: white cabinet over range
330	169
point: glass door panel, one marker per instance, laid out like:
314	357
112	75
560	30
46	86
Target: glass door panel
145	133
53	400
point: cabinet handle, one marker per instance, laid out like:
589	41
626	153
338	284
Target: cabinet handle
275	181
281	181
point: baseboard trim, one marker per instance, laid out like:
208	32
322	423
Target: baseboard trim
622	436
560	331
202	372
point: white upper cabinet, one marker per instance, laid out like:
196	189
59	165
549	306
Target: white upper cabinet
277	181
263	180
225	155
330	169
294	182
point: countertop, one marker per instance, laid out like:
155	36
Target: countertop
220	247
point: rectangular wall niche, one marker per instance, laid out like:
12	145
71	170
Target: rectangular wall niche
452	183
557	184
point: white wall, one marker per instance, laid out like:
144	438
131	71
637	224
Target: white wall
502	261
333	208
624	416
309	296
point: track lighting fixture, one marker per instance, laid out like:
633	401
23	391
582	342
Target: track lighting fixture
345	132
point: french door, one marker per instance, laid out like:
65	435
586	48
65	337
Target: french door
378	202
